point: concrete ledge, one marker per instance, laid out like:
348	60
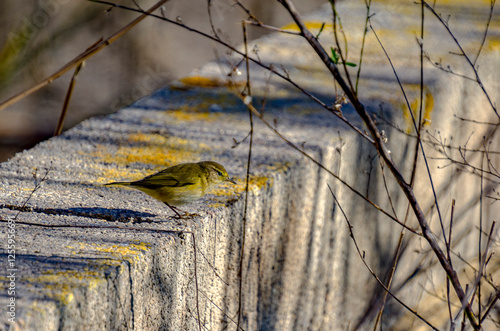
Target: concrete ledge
127	279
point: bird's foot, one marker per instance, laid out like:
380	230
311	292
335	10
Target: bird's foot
185	215
177	212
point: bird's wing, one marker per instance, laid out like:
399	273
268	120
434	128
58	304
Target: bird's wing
162	179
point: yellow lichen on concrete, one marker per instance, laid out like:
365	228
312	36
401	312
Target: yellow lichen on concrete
311	25
186	113
125	251
228	191
64	297
428	108
415	108
281	167
258	182
59	285
198	108
200	81
493	44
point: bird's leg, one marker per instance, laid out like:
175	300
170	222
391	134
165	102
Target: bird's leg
173	209
176	210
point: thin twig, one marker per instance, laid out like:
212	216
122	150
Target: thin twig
417	129
272	28
448	251
434	143
387	189
69	93
491	306
82	57
465	301
212	26
390	278
249	159
319	164
384	153
341	53
475	121
478	79
492	7
246	10
396	256
351	234
270	68
38	184
365	32
221	310
196	282
439	65
480	234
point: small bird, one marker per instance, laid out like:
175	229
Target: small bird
180	184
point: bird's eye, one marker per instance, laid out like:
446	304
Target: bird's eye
219	173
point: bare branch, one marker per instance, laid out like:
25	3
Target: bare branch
82	57
492	7
382	150
462	52
351	234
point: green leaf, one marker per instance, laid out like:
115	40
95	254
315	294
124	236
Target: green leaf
350	64
335	56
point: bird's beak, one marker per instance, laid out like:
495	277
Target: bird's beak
231	180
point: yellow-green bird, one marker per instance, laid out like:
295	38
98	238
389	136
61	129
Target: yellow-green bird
181	184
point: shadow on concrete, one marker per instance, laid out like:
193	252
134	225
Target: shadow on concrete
108	214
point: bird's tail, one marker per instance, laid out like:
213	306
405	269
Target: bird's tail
118	184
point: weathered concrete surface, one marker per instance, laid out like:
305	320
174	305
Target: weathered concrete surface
129	278
300	268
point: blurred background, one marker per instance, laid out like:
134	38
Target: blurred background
37	37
